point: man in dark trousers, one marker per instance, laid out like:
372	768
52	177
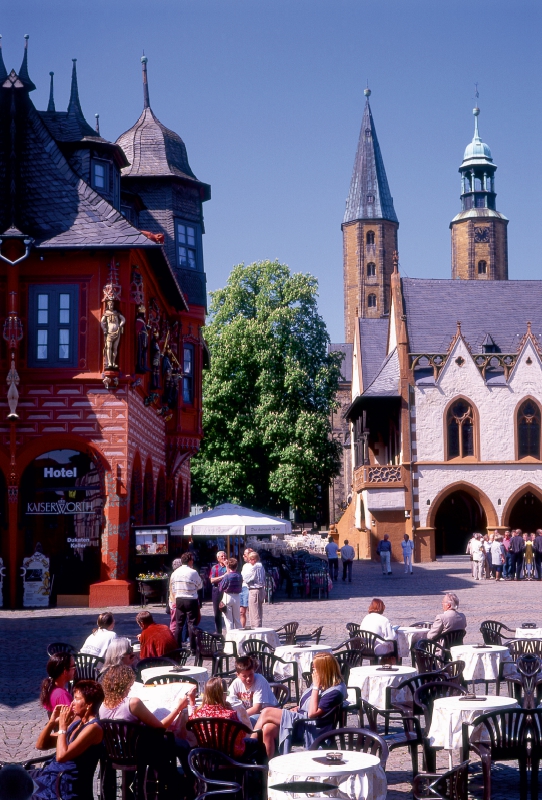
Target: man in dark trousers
537	549
216	574
517	546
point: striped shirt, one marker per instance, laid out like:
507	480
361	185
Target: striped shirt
256	578
185	582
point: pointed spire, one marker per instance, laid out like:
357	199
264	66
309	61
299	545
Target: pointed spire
51	103
23	72
146	102
97	123
3	70
369	196
74	106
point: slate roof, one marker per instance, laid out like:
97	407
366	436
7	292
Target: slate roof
346	366
41	194
500	309
386	381
373	334
369	178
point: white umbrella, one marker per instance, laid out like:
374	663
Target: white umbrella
229	520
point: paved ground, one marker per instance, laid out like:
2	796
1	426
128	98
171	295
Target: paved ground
25	635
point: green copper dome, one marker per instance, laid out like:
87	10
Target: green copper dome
477	151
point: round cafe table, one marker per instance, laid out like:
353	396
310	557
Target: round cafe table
481	663
449	714
373	681
528	633
303	657
407	638
199	673
241	635
360	778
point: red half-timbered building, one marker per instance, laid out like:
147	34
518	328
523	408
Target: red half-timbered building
102	303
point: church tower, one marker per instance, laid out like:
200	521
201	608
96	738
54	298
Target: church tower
369	232
479	236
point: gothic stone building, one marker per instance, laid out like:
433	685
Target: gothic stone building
102	303
444	418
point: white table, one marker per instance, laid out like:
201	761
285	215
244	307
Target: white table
199	673
241	635
407	637
303	656
528	633
449	714
162	699
360	778
373	682
481	664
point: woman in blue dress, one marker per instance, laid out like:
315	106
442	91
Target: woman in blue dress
75	732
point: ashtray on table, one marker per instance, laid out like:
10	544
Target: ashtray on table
471	698
529	625
387	668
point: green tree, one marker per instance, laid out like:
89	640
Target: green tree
268	393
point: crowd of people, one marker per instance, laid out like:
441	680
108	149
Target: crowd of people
512	556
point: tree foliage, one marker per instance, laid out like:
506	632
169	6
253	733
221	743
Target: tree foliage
268	393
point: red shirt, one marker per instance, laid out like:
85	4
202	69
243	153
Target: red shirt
156	640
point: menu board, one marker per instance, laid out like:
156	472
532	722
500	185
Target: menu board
36	581
151	542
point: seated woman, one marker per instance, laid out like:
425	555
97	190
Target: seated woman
61	670
327	692
116	685
75	732
119	652
375	622
101	637
214	704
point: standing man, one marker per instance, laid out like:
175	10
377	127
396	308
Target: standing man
408	550
517	546
246	570
184	587
537	551
477	553
507	557
216	574
347	557
256	590
384	551
332	553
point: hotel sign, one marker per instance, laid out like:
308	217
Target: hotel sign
60	507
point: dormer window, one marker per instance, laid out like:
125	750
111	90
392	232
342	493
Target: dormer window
100	175
187	245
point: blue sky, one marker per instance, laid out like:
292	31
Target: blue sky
268	96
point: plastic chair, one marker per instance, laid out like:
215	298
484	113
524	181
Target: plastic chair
222	734
410	738
409	708
180	656
451	639
128	746
224	666
147	663
287	632
215	769
492	632
424	697
353	629
268	664
451	785
314	636
429	656
528	686
369	641
60	647
253	647
281	693
207	644
170	677
348	659
360	740
87	667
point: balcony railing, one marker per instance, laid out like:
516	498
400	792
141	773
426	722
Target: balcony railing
372	476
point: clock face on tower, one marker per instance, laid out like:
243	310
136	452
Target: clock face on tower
481	234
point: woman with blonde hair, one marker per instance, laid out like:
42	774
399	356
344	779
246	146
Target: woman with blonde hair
326	693
214	704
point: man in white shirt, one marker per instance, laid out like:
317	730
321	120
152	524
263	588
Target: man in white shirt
183	587
347	557
255	580
250	689
332	553
408	548
246	570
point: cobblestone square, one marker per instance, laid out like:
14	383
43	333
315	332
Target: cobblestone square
408	598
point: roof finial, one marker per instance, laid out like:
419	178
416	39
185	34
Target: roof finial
51	103
146	103
97	123
395	261
23	72
476	111
367	91
74	104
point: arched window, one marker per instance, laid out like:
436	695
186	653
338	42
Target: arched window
529	430
371	270
482	268
460	427
371	301
370	238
